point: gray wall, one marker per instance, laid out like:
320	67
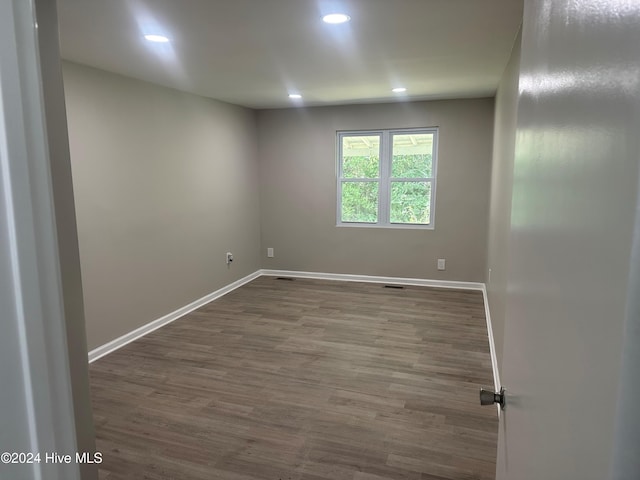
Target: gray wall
504	142
574	211
298	192
165	184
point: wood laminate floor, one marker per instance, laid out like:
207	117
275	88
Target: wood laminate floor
303	380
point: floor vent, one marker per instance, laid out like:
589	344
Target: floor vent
398	287
285	278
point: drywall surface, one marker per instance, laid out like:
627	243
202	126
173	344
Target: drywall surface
297	149
504	143
574	212
165	184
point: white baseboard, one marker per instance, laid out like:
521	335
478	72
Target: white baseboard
120	342
420	282
492	344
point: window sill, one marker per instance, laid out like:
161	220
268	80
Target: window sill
392	226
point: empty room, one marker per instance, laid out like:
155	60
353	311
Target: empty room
319	239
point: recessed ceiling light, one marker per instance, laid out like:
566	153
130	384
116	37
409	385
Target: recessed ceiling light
399	90
335	18
156	38
295	96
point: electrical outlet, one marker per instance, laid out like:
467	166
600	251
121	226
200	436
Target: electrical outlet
441	262
229	258
270	253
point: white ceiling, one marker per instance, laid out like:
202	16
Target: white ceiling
253	52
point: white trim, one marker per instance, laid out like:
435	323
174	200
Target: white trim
420	282
390	226
492	343
120	342
37	411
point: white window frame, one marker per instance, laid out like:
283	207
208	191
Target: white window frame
384	181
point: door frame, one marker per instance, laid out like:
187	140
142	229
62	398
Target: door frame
37	415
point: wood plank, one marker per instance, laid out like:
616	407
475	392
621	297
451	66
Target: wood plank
303	379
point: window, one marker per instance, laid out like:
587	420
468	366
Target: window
387	178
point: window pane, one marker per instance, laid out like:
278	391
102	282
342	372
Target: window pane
412	156
361	157
360	202
410	202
